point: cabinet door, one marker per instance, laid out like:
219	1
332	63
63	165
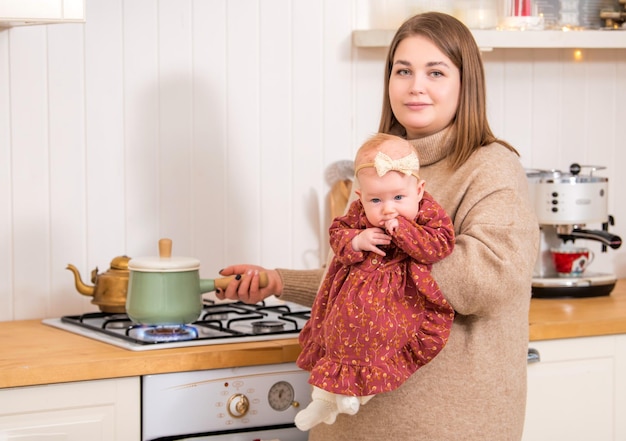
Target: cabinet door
103	410
41	11
620	386
571	390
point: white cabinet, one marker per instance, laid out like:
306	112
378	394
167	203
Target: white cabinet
102	410
19	12
577	391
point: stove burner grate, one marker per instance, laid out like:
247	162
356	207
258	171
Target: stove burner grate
218	321
267	326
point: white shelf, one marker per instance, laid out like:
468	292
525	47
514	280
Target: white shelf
494	39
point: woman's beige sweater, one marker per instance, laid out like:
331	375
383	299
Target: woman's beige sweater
475	389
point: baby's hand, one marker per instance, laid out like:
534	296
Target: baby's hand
369	240
391	225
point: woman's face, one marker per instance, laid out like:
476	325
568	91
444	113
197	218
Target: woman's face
424	87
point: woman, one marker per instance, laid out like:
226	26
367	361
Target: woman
475	389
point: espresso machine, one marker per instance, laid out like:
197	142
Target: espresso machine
566	203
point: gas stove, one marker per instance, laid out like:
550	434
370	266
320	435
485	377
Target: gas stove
218	323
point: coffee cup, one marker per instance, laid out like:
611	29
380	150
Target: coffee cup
571	261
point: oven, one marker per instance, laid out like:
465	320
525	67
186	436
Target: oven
251	403
239	404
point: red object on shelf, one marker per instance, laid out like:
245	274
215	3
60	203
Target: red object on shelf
522	8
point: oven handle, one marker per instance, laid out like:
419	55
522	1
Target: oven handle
533	356
265	433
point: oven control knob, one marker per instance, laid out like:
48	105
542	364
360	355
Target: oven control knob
238	405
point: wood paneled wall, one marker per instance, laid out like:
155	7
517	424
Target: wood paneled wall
214	122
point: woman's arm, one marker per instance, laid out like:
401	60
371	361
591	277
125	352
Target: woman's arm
299	286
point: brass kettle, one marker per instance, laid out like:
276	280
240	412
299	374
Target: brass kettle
110	288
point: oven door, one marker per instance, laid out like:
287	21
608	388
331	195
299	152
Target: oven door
237	404
272	434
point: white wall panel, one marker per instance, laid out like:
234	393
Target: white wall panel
104	133
573	98
600	96
175	91
546	102
273	218
307	129
367	100
617	197
517	98
339	142
243	196
493	63
30	171
6	186
67	192
141	128
210	100
213	122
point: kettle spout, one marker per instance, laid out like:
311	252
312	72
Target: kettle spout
85	290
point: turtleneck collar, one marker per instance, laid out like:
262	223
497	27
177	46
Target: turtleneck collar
434	148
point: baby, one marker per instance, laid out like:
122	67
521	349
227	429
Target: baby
379	315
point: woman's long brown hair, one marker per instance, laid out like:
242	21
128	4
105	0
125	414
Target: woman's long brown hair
454	39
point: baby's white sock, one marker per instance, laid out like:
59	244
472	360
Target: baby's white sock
347	404
325	407
322	409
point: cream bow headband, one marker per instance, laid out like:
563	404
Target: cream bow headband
383	163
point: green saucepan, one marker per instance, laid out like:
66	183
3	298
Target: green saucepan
166	290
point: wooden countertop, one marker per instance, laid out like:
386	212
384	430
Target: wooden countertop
565	318
33	353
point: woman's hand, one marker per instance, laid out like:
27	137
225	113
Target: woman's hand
246	288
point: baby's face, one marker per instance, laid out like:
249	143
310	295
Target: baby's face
387	197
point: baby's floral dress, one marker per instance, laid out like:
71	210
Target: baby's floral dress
377	319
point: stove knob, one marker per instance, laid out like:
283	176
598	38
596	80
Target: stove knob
238	405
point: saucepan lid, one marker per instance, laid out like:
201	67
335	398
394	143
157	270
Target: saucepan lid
164	262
